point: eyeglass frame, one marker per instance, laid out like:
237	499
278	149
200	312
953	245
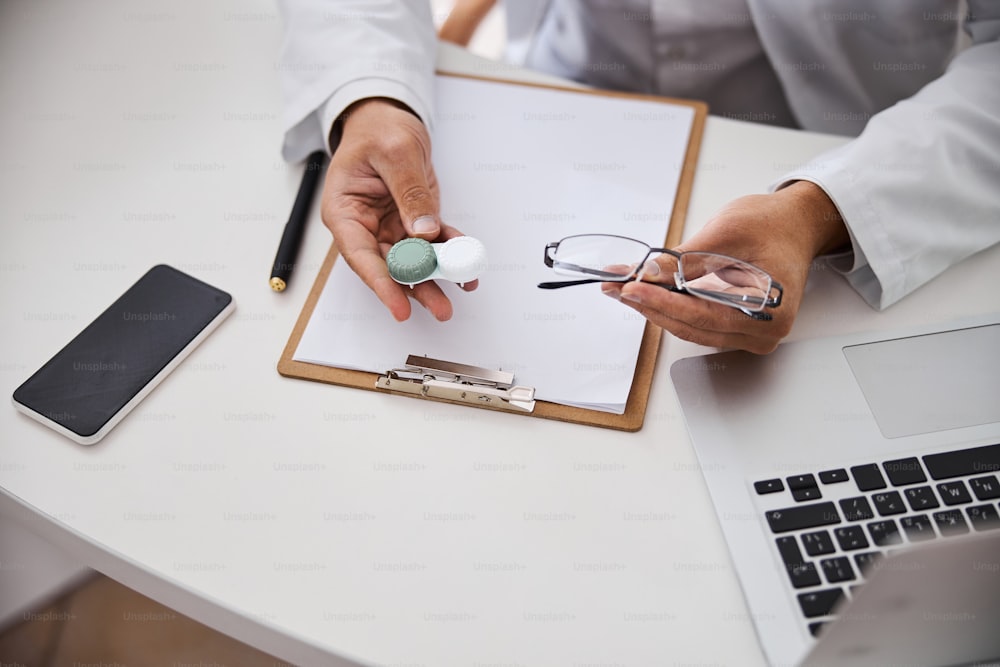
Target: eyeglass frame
769	302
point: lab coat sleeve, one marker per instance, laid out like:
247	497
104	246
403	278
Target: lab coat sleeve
919	189
336	52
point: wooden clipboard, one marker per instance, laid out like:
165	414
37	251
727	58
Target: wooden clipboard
635	407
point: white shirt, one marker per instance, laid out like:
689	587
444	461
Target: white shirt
919	189
691	49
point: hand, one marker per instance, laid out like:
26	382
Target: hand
381	188
781	233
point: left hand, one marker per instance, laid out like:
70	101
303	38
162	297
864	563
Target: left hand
781	233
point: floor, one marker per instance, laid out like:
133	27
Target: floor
105	623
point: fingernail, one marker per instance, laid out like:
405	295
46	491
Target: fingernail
613	293
425	224
651	268
634	298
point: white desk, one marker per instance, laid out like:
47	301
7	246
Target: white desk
314	521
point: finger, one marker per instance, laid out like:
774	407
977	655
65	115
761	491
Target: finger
393	296
613	290
690	310
409	184
752	344
430	296
361	252
660	270
758	343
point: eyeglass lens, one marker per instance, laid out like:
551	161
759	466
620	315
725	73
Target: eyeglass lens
614	258
724	279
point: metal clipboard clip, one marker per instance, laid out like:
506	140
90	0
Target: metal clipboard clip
434	378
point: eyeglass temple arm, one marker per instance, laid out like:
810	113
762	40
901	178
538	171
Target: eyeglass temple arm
606	276
550	262
570	283
587	281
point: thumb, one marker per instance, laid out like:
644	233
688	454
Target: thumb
417	204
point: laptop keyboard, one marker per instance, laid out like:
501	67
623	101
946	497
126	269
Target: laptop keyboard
832	526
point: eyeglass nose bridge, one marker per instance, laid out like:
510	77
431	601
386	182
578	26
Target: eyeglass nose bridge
651	256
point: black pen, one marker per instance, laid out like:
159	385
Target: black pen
291	238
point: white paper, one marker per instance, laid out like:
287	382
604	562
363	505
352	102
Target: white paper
520	167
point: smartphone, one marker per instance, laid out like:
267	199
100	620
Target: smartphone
93	382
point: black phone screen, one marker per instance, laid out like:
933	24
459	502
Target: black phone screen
91	379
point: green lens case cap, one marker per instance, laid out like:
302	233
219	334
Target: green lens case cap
411	261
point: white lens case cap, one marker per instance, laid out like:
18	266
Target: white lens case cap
461	259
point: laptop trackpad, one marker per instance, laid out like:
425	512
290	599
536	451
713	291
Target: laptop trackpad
931	383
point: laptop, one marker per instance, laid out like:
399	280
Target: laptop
836	464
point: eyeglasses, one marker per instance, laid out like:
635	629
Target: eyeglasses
710	276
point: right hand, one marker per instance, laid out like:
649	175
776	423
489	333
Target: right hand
381	188
781	233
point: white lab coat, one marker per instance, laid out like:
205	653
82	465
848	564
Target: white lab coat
919	188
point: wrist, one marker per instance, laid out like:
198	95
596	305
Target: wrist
374	105
369	107
819	225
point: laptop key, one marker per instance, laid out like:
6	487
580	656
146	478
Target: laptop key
963	462
808	493
802	516
985	488
888	503
865	561
868	477
800	572
837	569
918	528
819	603
768	486
982	517
921	498
885	533
816	627
817	543
801	481
950	522
856	509
954	493
904	471
851	538
833	476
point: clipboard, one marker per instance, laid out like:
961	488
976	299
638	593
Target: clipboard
635	408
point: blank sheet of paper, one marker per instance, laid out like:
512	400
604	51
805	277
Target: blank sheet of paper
520	167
